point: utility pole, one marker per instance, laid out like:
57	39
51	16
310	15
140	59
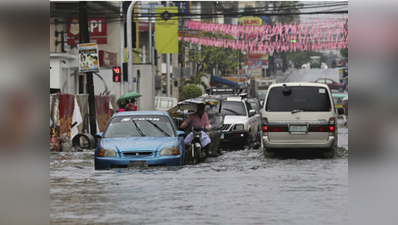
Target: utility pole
182	59
121	49
84	37
168	66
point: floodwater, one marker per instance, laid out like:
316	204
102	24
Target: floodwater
240	187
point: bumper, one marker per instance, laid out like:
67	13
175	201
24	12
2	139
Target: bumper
118	162
329	144
234	139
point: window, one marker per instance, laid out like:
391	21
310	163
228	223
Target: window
321	81
233	108
149	126
254	106
329	81
166	103
300	98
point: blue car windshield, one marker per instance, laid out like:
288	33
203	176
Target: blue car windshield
139	126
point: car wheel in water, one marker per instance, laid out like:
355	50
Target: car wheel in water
327	154
269	153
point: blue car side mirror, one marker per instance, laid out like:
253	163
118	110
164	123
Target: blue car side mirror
180	133
99	135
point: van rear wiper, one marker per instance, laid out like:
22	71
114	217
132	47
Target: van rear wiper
296	111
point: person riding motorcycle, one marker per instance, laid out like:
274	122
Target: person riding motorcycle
199	118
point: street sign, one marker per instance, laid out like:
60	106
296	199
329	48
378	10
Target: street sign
183	6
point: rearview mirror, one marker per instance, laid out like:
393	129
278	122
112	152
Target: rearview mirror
252	112
340	111
180	133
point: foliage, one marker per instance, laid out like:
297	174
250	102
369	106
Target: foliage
197	80
286	7
344	53
207	57
191	91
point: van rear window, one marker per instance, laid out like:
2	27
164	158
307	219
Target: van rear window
299	98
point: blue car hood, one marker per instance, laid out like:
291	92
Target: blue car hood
138	143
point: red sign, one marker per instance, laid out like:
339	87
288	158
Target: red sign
97	30
96	27
98	40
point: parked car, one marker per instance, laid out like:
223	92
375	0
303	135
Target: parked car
242	126
337	62
333	85
165	103
140	138
300	116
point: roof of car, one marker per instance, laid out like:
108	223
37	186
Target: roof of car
298	84
134	113
235	99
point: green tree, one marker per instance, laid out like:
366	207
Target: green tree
208	57
191	91
286	7
197	80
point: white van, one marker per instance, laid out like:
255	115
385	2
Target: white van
299	116
165	103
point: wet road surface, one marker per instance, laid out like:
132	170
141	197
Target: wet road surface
239	187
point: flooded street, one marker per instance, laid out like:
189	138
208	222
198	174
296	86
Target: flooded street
238	187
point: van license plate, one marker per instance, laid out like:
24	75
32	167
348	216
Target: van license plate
298	129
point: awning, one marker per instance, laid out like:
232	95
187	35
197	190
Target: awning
223	81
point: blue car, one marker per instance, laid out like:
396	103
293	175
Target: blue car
140	139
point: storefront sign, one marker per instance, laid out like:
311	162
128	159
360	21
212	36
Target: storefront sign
97	30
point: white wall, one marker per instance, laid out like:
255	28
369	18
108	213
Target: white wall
55	72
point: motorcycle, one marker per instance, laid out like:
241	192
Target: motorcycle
198	153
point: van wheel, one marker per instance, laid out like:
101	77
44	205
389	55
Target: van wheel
269	153
329	154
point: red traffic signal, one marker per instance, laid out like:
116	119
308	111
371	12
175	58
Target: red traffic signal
116	73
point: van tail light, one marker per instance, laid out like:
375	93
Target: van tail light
265	128
265	124
332	124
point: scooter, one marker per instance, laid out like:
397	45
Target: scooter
198	152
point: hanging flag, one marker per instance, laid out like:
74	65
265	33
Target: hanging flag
166	30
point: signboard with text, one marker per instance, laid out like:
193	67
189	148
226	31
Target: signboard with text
97	30
166	25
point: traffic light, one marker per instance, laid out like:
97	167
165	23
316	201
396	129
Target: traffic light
125	69
292	39
116	73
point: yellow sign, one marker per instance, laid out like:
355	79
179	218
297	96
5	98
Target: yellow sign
166	30
250	20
